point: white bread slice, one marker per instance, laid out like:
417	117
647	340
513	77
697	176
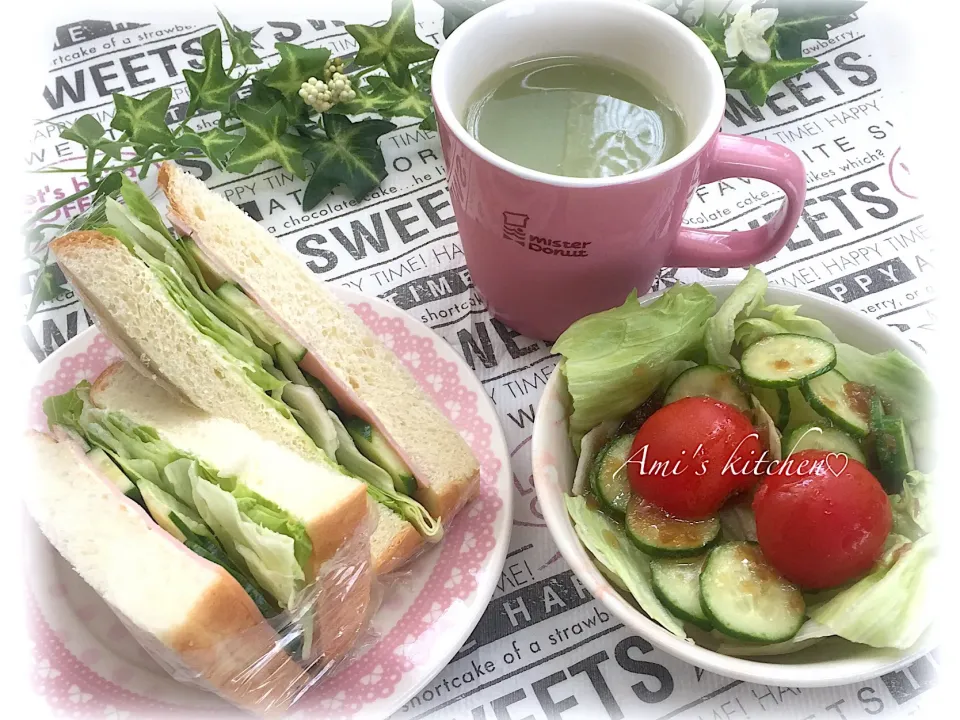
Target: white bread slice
394	542
333	507
135	312
190	610
364	375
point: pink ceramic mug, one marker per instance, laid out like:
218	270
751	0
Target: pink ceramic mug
545	250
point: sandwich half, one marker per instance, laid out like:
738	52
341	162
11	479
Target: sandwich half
205	326
293	534
177	603
363	375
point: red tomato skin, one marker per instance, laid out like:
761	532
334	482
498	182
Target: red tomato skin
822	527
699	487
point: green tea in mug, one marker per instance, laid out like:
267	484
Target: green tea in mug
577	117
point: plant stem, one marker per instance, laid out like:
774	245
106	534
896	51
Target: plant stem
114	168
57	205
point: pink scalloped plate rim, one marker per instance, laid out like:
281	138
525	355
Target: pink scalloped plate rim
87	665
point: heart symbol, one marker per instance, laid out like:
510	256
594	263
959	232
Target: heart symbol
837	455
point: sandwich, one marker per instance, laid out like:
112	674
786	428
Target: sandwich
224	319
233	558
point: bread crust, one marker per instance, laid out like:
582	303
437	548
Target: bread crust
230	645
403	546
445	502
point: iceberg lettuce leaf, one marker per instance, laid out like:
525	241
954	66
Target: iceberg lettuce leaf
896	377
887	608
613	360
911	508
607	541
720	330
786	317
268	555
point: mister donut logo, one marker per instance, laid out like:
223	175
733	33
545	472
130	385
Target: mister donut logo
515	227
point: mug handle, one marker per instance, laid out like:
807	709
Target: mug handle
738	156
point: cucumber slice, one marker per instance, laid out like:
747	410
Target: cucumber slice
213	279
677	585
268	328
745	598
800	411
114	474
813	436
712	381
374	445
894	452
161	506
312	416
776	403
288	366
780	361
609	475
831	396
356	462
662	535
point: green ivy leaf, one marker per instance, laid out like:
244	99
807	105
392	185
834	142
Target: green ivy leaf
263	98
711	31
266	138
364	102
86	131
455	12
429	122
215	144
144	120
395	100
50	284
809	20
394	45
297	64
241	43
210	88
349	155
757	78
109	185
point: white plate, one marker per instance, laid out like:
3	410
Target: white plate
830	662
88	664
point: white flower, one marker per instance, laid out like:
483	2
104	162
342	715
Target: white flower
745	34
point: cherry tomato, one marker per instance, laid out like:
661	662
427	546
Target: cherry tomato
822	519
691	455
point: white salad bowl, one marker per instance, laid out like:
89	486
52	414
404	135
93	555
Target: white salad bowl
829	662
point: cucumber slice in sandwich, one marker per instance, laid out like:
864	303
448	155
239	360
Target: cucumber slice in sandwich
272	333
787	359
813	436
745	598
712	381
374	445
114	474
